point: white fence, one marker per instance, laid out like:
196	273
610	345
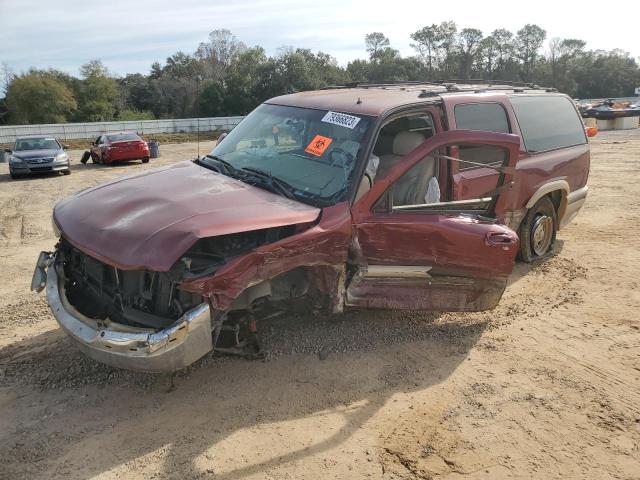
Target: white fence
68	131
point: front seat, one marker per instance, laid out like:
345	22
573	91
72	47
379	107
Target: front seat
411	188
403	143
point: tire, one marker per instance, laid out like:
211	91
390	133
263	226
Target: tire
538	231
145	160
67	171
85	157
13	175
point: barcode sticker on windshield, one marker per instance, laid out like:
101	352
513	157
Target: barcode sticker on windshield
341	119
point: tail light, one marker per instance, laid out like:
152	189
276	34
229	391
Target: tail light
592	131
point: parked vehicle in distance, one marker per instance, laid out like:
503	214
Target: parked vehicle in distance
37	154
396	196
119	147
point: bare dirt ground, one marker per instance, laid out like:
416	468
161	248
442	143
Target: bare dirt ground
545	386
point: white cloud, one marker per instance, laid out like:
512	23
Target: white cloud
130	35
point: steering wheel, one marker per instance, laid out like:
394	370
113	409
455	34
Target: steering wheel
340	156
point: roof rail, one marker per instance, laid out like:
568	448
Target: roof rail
390	83
480	81
451	85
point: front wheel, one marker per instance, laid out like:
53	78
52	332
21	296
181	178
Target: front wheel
538	231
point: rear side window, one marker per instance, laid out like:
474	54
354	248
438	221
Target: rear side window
548	122
121	137
486	117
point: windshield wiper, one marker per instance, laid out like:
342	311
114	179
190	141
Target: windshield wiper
228	168
274	182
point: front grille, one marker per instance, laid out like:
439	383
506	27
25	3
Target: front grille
40	160
139	298
41	169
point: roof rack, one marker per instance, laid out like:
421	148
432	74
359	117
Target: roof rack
390	83
479	81
449	85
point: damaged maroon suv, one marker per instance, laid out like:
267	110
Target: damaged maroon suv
396	196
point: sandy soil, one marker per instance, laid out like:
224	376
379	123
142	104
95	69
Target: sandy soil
545	386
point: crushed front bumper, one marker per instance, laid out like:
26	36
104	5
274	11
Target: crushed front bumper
147	350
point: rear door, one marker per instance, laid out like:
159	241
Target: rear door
442	255
97	146
488	113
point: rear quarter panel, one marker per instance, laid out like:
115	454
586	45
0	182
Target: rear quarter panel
533	171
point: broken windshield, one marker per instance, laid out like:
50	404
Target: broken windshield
314	152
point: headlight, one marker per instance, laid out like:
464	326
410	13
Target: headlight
54	227
62	157
14	159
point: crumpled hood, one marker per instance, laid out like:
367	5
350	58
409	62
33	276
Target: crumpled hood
149	220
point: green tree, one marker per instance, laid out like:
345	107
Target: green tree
565	55
249	81
359	70
98	93
38	97
375	43
606	74
469	47
447	48
218	53
136	93
427	43
504	59
211	100
528	43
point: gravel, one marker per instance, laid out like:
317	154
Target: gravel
53	362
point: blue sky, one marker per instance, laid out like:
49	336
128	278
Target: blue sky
129	35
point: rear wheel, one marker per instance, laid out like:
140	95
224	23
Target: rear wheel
145	160
538	231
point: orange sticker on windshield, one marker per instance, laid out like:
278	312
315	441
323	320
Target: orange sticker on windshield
318	145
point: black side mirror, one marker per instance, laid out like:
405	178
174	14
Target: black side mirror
8	150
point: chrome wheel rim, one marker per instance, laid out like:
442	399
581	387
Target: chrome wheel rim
541	234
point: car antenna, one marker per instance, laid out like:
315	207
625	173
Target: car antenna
198	114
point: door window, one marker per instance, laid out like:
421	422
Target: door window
486	117
399	136
421	189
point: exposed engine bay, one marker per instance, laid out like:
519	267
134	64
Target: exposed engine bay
139	298
149	299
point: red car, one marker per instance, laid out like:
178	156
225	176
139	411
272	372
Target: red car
119	147
395	196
